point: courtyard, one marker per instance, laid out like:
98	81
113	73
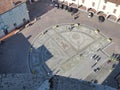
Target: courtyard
67	50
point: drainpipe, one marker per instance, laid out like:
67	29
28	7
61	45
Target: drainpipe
77	3
98	5
30	1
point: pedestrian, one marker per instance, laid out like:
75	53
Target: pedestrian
75	17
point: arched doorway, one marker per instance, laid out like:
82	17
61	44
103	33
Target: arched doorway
112	18
91	12
83	8
101	16
118	20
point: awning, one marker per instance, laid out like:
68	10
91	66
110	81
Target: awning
92	10
101	14
73	5
65	3
82	7
112	17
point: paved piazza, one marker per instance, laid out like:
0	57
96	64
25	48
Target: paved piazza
67	49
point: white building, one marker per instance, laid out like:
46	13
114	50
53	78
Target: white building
109	9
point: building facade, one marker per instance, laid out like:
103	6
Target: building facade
109	9
13	14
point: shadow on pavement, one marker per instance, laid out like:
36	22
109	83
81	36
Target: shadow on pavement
14	54
67	83
39	8
111	79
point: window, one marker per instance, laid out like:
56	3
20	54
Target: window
104	7
105	1
24	20
114	11
93	4
83	1
14	24
116	5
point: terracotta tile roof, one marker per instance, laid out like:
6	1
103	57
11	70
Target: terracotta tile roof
114	1
6	5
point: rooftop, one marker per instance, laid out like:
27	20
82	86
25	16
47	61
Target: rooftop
6	5
114	1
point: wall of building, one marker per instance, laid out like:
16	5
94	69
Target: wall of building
109	8
14	17
91	3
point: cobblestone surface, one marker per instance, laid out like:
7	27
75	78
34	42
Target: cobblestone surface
67	50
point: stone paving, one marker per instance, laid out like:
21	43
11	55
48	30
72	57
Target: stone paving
104	72
67	50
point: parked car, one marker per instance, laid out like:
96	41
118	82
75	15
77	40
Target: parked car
96	57
93	56
97	69
94	81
